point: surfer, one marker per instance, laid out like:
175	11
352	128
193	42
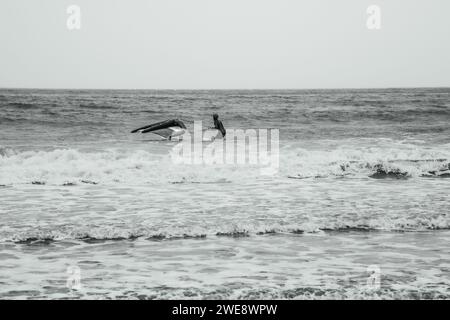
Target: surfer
219	125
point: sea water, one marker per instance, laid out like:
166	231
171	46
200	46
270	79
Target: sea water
358	207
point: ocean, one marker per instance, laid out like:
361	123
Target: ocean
358	207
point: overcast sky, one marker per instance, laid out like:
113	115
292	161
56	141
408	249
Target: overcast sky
220	44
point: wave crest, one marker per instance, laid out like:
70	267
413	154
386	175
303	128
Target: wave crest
73	167
156	232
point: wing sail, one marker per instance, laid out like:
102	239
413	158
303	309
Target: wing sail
164	133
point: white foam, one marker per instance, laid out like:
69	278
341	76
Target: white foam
140	167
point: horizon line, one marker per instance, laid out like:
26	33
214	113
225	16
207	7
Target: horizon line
227	89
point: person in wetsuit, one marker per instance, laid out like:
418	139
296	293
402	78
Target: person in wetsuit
219	125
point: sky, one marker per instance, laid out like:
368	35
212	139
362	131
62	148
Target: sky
224	44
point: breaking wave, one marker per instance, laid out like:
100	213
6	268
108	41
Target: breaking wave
157	230
394	162
72	167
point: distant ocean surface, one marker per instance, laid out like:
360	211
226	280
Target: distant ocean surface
363	184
